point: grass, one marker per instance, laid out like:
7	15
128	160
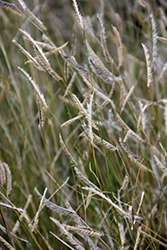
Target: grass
83	125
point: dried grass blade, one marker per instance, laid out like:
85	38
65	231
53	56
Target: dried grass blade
77	219
165	117
141	200
130	132
2	173
22	3
54	74
137	238
140	165
71	120
27	36
45	63
52	49
122	233
123	124
163	15
160	165
20	210
44	45
35	19
125	182
9	7
163	39
127	98
78	14
95	59
120	210
79	105
99	73
135	136
66	70
35	86
119	46
6	243
41	56
62	241
83	231
89	114
16	226
31	59
106	101
8	179
103	39
153	238
73	63
154	35
122	93
46	39
133	156
67	152
162	72
128	151
37	48
53	206
39	210
92	245
32	16
56	49
84	134
82	109
40	113
74	40
97	92
5	87
70	84
84	179
6	4
109	122
69	236
104	142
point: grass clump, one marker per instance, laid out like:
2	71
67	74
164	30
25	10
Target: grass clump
83	125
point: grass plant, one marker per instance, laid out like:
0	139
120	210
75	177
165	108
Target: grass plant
83	124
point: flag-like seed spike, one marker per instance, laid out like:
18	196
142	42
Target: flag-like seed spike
149	67
35	86
78	14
